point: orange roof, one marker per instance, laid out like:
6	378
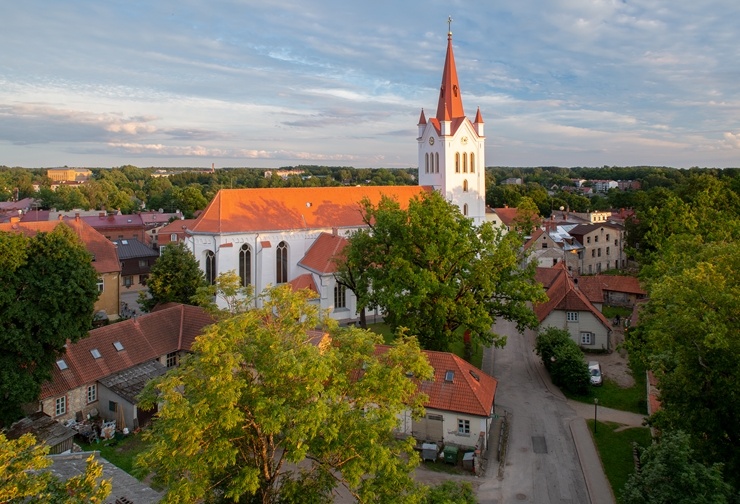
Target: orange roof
105	257
450	104
470	391
282	209
564	295
143	339
304	281
507	215
320	257
592	287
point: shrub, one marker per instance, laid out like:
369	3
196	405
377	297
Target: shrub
563	359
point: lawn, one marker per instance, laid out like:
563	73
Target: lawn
457	347
612	395
119	452
615	450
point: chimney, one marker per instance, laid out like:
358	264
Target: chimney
61	216
77	216
101	215
15	219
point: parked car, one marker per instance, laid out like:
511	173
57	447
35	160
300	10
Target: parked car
594	369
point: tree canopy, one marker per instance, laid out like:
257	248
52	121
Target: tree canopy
49	289
430	269
260	413
174	277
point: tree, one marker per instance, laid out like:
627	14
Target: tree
260	414
230	291
527	216
563	359
23	478
451	492
174	277
49	289
669	474
430	269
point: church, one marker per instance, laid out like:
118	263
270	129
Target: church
290	235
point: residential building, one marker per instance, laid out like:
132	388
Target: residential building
154	222
136	262
603	247
118	226
173	232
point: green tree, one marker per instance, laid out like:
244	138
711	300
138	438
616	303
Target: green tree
430	269
229	290
527	216
563	359
451	492
174	277
260	414
49	289
669	474
23	478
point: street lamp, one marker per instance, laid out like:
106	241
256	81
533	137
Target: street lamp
596	405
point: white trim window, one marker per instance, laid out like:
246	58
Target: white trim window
60	406
100	284
587	338
92	393
340	297
463	426
572	316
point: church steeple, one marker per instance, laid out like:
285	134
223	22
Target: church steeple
450	98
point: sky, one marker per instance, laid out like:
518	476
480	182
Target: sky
342	83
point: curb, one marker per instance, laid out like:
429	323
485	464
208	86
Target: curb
598	487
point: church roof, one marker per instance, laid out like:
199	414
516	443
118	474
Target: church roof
450	104
293	208
320	257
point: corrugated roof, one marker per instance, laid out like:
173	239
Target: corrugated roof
282	209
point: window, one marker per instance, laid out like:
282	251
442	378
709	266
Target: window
95	353
92	393
457	162
465	185
465	162
210	259
449	376
143	263
616	242
572	316
282	263
587	338
128	281
599	252
143	279
173	237
607	236
171	359
465	209
596	239
436	162
588	239
112	406
593	252
100	284
62	365
463	426
472	163
245	265
340	296
60	406
607	250
426	159
118	346
544	245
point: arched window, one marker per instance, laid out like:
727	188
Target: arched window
457	162
245	265
465	209
436	162
210	267
426	157
472	163
340	296
465	162
465	185
281	268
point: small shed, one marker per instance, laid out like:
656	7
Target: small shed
46	430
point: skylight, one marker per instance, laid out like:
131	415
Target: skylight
118	345
449	376
62	365
95	353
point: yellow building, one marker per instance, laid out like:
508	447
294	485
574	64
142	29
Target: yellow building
68	174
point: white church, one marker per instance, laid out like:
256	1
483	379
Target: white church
290	235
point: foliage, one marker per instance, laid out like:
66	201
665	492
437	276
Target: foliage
257	398
527	216
611	395
563	359
229	290
430	269
22	476
174	277
49	289
670	474
451	492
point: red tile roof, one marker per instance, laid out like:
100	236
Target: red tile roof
103	251
471	391
114	221
320	257
592	287
145	338
564	295
304	281
507	215
248	210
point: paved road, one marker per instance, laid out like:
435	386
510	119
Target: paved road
542	464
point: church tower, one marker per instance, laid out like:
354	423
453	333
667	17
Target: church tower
452	148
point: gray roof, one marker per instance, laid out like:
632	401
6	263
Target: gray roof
130	382
44	428
132	248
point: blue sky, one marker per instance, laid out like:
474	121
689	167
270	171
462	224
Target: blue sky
286	82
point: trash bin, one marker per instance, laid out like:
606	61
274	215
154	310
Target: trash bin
469	461
429	451
450	454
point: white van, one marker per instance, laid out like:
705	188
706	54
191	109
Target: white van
594	369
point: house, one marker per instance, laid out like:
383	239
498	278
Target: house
154	222
106	371
570	309
603	247
265	234
104	257
173	232
460	405
118	226
616	290
136	262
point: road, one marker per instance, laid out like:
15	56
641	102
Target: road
542	465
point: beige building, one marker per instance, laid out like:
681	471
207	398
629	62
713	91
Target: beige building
68	174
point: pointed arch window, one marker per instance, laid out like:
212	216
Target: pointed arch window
465	209
210	259
436	162
281	266
426	157
465	185
472	162
465	162
457	162
245	265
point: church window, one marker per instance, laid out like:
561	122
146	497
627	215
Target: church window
426	157
457	162
210	267
472	163
282	263
465	185
245	265
465	209
340	296
436	162
465	162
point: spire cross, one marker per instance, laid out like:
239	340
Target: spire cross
449	25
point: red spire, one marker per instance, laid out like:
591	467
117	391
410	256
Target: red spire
422	118
449	93
478	117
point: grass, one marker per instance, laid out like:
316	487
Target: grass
612	395
612	311
457	347
119	452
615	450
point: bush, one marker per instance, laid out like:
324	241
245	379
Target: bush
563	359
